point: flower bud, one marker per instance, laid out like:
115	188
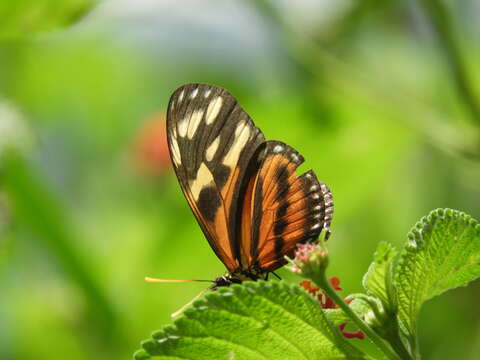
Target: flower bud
311	261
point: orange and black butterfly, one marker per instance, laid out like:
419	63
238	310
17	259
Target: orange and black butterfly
243	190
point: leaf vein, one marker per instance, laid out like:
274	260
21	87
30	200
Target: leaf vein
301	351
227	340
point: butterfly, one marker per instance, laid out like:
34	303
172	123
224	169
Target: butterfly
243	190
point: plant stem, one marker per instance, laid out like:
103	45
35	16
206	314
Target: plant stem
38	210
413	341
324	284
398	345
441	20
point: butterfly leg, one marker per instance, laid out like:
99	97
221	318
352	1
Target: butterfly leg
278	277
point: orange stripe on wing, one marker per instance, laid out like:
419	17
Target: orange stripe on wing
292	208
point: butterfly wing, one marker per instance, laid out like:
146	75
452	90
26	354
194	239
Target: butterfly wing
281	209
211	141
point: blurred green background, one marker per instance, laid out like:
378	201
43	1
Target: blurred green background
381	97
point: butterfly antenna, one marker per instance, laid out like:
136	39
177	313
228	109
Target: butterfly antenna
182	309
149	279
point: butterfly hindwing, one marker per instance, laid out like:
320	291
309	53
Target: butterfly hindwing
281	209
212	141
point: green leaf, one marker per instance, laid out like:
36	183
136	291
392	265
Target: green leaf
442	253
378	281
261	320
27	17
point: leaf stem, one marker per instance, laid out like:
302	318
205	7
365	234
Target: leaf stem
324	284
398	345
413	341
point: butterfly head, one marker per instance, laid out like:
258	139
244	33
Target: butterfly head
238	276
226	280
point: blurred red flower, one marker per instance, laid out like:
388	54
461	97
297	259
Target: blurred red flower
151	147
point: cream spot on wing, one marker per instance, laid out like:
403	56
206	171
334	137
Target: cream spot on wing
278	149
193	94
204	178
183	126
212	149
180	97
172	106
315	227
175	151
240	127
207	93
242	134
294	157
194	122
213	109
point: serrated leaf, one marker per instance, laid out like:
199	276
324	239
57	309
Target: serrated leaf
261	320
378	280
442	253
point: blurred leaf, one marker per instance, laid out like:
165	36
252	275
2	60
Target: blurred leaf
34	208
251	321
27	17
378	281
442	253
76	85
15	132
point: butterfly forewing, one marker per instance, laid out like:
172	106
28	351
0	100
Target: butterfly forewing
212	141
